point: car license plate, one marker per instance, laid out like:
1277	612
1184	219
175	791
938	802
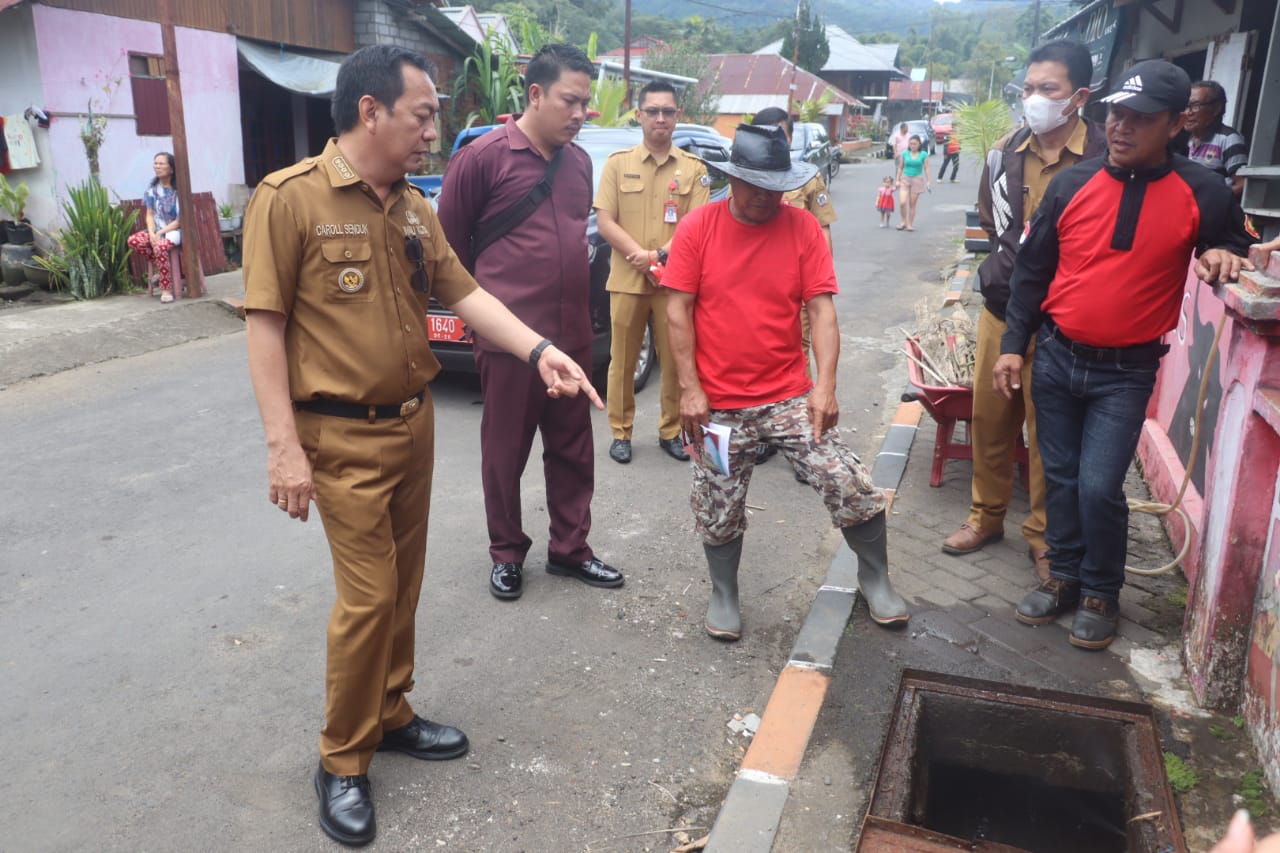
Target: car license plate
446	328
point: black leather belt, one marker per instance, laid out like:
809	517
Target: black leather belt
355	410
1137	354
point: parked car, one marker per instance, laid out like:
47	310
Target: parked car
451	340
915	127
811	144
942	124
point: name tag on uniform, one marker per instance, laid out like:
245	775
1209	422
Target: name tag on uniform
669	211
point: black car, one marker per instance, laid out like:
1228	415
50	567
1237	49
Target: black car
451	339
811	144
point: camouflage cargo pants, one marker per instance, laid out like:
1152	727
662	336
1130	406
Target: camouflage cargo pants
719	502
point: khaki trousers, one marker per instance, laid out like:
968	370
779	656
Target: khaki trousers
373	491
994	430
630	312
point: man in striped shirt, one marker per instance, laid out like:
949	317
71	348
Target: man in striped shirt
1213	144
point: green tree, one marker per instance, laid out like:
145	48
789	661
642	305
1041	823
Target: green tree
698	102
814	48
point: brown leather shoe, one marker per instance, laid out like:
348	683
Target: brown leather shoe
1040	556
968	539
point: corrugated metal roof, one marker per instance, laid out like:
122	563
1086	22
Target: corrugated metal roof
848	54
770	74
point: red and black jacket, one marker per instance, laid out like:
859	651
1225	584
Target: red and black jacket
1107	252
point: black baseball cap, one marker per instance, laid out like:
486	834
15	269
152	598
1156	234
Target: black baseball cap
1153	86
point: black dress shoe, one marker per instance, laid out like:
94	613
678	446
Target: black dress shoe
620	450
346	807
1048	601
674	448
592	572
765	452
1095	624
426	740
506	581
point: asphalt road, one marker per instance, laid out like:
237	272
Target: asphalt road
162	625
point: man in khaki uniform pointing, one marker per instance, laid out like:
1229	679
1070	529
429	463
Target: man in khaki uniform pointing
644	192
341	256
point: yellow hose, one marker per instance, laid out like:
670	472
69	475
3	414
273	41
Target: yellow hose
1156	508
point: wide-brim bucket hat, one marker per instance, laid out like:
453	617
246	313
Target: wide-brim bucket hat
761	156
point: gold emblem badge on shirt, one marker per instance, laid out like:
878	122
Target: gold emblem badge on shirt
350	280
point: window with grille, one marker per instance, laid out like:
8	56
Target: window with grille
150	94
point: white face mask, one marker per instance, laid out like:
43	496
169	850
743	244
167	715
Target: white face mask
1045	114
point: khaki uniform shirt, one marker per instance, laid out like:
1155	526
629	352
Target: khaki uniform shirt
1036	172
814	198
635	189
320	248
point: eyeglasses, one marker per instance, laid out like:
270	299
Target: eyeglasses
413	250
1195	106
665	112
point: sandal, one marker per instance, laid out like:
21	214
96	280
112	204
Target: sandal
902	226
166	296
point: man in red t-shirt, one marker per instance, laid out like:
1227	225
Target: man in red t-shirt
740	272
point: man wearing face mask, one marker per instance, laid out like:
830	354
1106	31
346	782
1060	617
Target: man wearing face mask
1014	178
1098	285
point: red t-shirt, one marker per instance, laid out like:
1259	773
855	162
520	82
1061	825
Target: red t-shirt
751	283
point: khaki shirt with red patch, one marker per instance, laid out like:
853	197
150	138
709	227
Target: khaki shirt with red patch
321	249
635	188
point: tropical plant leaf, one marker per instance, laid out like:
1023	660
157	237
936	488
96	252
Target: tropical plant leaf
980	126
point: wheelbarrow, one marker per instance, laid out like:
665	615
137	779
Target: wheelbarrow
948	405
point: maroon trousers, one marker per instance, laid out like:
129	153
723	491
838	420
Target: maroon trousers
515	406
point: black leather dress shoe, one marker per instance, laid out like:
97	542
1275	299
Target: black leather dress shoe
506	581
426	740
674	448
765	452
1048	601
592	572
1095	624
346	807
620	450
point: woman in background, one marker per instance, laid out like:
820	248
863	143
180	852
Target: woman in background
913	180
162	232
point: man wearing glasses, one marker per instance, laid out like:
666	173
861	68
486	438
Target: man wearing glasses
340	257
1213	144
644	192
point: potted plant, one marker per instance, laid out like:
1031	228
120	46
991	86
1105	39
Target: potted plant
227	218
13	198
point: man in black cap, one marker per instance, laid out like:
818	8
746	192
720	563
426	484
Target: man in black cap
734	320
1100	276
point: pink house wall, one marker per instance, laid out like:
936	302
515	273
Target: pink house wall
84	56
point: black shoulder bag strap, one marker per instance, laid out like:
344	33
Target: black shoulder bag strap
501	225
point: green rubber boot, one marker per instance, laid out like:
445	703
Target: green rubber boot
870	541
723	619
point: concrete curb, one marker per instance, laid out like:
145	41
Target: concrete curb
749	819
955	288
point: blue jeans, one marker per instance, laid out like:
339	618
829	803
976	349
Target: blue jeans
1089	416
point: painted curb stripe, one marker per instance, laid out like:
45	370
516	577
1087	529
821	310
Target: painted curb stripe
752	810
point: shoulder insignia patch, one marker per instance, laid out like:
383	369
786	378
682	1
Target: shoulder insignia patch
822	198
705	180
278	177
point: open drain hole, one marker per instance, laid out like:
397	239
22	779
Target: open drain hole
975	765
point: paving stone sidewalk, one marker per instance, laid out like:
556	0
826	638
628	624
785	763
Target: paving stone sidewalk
962	624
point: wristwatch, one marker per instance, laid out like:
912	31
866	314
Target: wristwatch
537	353
662	256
